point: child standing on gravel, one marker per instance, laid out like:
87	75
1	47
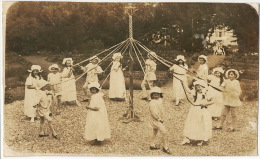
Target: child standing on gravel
69	93
232	91
31	85
54	79
203	69
42	106
97	126
216	80
157	120
92	69
149	76
198	124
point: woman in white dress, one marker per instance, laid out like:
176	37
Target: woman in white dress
97	125
203	69
179	70
117	88
31	86
69	93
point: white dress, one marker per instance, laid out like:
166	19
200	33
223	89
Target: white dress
29	99
117	81
232	93
92	70
217	107
178	91
150	68
55	82
68	86
97	126
198	124
203	71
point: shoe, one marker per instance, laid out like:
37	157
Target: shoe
155	147
56	137
231	130
200	143
217	128
85	100
43	135
166	151
144	98
78	103
185	141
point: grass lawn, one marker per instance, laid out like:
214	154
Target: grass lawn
131	139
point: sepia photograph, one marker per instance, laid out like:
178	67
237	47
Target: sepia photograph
129	79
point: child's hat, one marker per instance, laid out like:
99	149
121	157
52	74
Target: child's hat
153	54
236	72
201	83
94	84
155	90
115	55
218	69
42	83
94	58
54	66
180	57
67	59
203	57
35	67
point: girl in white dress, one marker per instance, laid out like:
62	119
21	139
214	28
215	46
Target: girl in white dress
149	76
216	80
203	69
232	91
31	85
97	126
198	124
92	69
69	93
54	79
179	70
117	88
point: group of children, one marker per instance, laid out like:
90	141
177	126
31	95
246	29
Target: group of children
214	96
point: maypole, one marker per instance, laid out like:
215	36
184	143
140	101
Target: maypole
130	115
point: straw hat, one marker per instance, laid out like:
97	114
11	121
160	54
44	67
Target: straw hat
218	69
236	72
115	55
35	67
94	58
155	90
95	85
180	57
203	57
201	83
67	59
54	66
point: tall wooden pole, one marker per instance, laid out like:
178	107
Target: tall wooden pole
131	84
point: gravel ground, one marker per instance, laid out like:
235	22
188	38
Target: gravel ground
132	139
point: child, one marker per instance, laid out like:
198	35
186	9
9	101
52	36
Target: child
54	79
232	91
198	123
117	88
203	69
43	104
97	126
156	120
92	69
30	91
215	90
179	71
69	93
149	76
